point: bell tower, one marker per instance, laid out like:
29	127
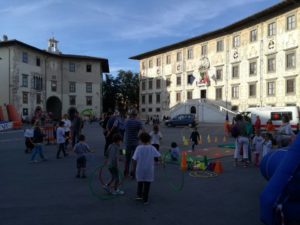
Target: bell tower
52	46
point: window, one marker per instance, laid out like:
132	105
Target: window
252	90
150	84
158	82
190	79
252	68
143	110
157	109
271	29
88	68
219	74
89	100
89	87
143	99
189	95
71	67
291	60
168	60
253	35
24	80
38	61
25	97
150	110
277	116
143	85
235	92
271	88
204	50
178	97
72	99
235	71
168	81
271	64
72	87
290	86
37	83
178	56
25	112
236	41
158	61
291	22
178	80
190	53
24	57
150	63
38	98
157	98
220	46
218	93
53	85
150	98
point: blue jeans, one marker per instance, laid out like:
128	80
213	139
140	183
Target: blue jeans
38	149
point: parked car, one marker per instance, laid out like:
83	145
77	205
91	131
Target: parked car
182	120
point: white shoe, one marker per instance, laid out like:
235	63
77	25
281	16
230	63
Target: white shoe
118	192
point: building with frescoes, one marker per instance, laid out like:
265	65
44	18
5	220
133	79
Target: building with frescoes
252	62
33	78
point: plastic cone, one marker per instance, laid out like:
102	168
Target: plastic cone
208	139
205	160
200	140
224	139
216	139
183	163
218	167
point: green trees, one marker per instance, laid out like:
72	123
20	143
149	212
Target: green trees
121	92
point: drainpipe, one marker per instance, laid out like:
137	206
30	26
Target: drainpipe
9	82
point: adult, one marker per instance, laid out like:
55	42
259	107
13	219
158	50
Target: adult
76	126
132	128
67	127
113	127
105	131
257	124
285	133
242	140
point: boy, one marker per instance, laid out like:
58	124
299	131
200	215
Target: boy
60	139
143	160
113	153
81	148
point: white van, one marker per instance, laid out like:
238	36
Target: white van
275	114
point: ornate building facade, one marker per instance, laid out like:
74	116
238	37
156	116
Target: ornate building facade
31	78
253	62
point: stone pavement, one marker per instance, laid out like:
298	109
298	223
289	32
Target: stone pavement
48	193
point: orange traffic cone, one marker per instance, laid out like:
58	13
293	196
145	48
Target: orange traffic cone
183	164
218	167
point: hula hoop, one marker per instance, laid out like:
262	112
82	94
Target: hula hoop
172	185
98	173
203	174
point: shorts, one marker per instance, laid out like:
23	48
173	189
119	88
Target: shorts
81	162
114	173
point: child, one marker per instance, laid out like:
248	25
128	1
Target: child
60	139
28	135
144	164
81	148
194	138
156	136
257	144
270	127
174	151
267	144
113	158
67	126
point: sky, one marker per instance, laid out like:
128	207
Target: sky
118	29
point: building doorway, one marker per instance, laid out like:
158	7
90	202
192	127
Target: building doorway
203	94
193	110
54	107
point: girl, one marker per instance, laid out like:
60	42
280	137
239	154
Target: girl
143	160
267	144
257	144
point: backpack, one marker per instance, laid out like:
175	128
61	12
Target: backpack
235	130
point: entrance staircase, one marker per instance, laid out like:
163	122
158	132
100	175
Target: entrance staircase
207	111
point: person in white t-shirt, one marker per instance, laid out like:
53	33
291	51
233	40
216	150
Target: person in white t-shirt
60	139
143	160
257	144
67	126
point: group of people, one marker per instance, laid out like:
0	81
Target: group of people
249	138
